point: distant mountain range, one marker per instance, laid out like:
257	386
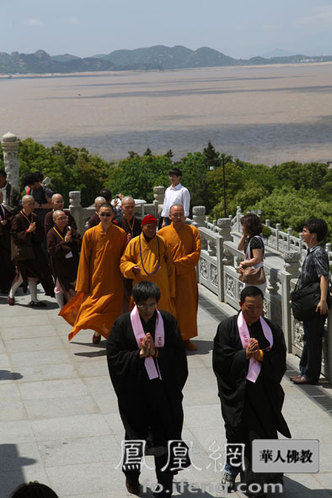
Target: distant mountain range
158	57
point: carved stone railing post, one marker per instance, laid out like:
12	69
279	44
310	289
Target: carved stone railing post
158	196
199	216
278	227
291	270
272	296
10	159
75	209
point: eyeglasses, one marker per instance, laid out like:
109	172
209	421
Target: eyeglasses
108	215
146	306
62	217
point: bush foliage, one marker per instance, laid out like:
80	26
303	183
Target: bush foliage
288	193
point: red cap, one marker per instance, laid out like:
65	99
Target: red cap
148	219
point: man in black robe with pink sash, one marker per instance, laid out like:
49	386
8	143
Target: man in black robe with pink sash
249	361
148	369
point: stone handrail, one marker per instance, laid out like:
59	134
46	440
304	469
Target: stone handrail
217	271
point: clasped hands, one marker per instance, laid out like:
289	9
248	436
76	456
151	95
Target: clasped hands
252	350
147	346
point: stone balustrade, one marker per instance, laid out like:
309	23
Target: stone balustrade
217	271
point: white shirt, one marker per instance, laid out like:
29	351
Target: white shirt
176	195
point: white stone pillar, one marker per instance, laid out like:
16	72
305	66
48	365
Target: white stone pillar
10	158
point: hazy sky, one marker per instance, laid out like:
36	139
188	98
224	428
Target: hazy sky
239	28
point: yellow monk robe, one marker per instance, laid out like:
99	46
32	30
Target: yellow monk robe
99	282
185	248
156	266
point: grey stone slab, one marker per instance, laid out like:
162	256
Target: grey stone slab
40	357
28	331
20	322
53	389
75	426
13	410
97	369
92	478
12	432
4	362
202	416
80	450
114	423
60	407
106	403
9	392
39	372
99	385
33	344
325	479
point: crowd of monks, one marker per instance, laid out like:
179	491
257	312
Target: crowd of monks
92	276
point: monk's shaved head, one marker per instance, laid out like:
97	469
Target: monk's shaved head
127	199
57	213
99	201
27	199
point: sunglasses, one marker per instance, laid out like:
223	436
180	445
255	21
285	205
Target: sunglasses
106	214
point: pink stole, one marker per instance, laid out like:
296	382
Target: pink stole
159	340
254	365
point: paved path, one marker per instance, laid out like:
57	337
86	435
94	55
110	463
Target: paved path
59	422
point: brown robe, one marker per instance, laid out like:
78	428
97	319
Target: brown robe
35	265
49	223
64	268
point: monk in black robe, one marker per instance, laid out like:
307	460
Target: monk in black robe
32	267
249	369
150	404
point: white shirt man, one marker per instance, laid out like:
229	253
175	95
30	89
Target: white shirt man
175	194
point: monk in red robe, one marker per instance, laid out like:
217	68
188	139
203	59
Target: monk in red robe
185	246
147	257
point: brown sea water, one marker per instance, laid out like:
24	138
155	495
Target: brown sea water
262	114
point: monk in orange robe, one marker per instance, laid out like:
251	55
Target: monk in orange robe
99	281
185	246
147	257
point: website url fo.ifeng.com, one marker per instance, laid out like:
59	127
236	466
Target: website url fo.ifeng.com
196	487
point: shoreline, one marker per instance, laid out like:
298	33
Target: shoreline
16	76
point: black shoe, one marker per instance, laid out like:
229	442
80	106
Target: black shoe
37	304
228	482
133	485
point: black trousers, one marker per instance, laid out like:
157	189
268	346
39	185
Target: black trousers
311	359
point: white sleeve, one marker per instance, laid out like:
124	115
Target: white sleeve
165	211
186	201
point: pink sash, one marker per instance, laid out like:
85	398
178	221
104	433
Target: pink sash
254	365
159	340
